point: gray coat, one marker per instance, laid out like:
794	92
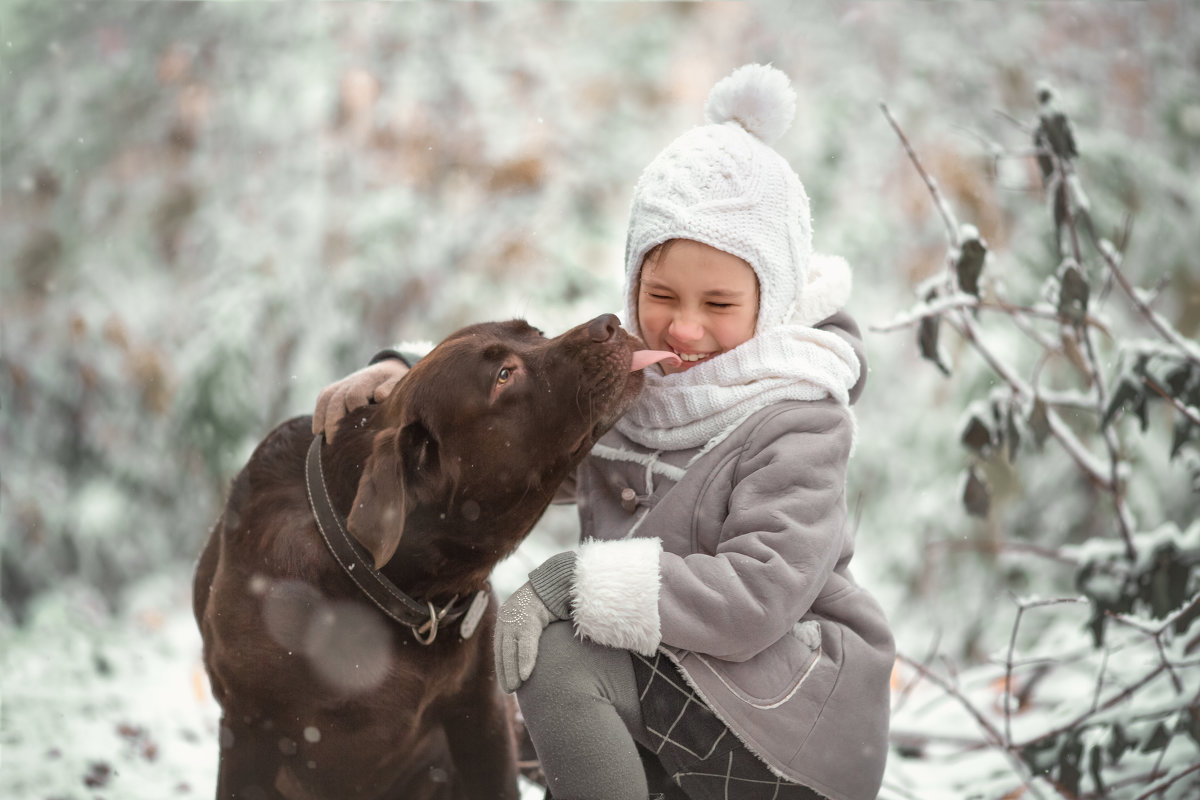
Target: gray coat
737	569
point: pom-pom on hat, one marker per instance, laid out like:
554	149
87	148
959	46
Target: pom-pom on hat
723	184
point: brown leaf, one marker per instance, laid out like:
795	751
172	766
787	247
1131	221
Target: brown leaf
977	498
1039	422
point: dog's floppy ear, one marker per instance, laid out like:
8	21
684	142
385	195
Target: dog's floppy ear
401	461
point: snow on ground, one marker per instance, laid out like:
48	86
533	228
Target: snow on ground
114	705
98	705
101	705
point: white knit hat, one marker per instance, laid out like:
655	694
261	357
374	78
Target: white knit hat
723	184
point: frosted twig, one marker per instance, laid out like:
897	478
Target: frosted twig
989	730
1167	782
908	689
910	739
1066	400
966	328
1096	374
1080	719
1025	126
1059	429
1047	344
1164	623
1064	186
1022	606
1048	553
956	302
1124	518
1100	681
1187	411
1162	654
1164	328
939	201
1008	668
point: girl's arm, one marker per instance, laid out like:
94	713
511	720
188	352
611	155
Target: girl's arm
783	537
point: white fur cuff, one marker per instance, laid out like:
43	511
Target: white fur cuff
615	596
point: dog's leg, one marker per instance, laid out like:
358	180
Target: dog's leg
250	762
482	747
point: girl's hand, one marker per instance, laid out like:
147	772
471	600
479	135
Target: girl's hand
373	383
519	626
524	615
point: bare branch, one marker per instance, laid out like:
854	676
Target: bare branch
1164	328
940	202
1124	516
1163	624
1024	126
1008	669
961	301
1004	546
1167	782
995	736
906	692
1187	411
1059	429
966	328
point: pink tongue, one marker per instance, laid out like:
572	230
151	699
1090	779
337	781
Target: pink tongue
644	358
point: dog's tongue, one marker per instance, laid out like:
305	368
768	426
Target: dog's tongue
644	358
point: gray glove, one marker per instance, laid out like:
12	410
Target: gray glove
526	613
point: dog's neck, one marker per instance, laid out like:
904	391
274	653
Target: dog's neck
433	562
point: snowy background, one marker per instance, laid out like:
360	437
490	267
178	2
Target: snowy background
208	211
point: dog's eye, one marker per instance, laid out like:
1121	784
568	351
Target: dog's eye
504	375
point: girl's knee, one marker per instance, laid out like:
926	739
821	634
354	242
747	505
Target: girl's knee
558	663
571	672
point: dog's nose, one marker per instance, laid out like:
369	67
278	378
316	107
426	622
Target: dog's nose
603	327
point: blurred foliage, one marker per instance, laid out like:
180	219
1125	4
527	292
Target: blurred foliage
210	210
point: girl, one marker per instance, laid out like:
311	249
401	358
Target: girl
707	640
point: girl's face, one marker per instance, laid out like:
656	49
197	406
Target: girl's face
696	301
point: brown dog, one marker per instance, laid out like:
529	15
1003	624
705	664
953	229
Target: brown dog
328	689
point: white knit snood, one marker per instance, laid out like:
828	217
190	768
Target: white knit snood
790	362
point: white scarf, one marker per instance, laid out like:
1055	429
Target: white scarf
689	409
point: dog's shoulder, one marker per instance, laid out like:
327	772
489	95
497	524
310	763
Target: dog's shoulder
279	457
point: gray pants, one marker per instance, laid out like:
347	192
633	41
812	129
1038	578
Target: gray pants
615	725
582	710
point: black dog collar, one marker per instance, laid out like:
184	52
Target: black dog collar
355	561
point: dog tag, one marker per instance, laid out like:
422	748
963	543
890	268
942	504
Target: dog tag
474	613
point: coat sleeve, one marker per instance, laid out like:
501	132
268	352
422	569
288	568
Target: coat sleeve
782	538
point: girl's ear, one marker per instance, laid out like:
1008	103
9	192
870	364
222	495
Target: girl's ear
402	462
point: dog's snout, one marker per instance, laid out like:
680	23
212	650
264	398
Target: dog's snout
603	327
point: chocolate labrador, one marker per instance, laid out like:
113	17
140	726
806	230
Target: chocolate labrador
343	596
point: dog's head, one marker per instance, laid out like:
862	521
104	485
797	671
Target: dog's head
483	430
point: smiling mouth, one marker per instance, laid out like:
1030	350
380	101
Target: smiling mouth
691	358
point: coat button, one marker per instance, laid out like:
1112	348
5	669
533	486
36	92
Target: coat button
629	499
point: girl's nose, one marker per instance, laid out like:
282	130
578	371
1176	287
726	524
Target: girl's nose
684	330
